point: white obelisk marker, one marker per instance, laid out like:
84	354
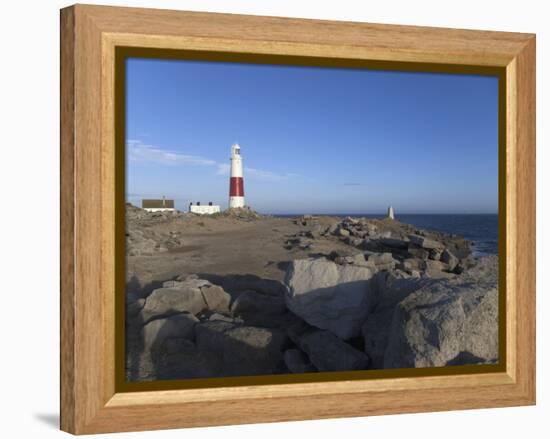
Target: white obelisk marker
236	182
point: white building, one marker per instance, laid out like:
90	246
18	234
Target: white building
204	209
163	205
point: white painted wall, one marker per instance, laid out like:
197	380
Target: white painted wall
236	202
236	161
29	169
204	210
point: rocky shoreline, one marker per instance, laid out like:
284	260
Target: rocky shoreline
353	294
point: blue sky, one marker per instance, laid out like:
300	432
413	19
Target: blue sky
313	140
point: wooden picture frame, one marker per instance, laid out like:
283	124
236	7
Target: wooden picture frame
91	400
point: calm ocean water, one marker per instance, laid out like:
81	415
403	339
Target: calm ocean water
482	230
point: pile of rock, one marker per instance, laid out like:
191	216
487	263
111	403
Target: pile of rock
435	322
304	239
240	213
412	251
144	240
376	261
300	241
402	298
192	327
403	321
147	243
320	350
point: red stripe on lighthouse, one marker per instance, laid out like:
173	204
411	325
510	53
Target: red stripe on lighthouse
236	187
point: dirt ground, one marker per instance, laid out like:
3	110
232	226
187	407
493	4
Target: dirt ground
225	245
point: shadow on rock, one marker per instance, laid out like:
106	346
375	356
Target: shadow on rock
218	348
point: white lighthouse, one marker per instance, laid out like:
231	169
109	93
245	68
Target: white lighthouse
236	182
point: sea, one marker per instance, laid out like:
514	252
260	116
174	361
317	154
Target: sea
481	229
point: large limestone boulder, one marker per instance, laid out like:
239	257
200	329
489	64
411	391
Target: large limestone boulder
446	322
133	307
180	358
164	302
148	346
419	253
402	331
413	264
190	295
157	331
216	298
437	270
450	259
390	290
382	261
298	362
241	350
329	353
258	309
425	243
330	296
